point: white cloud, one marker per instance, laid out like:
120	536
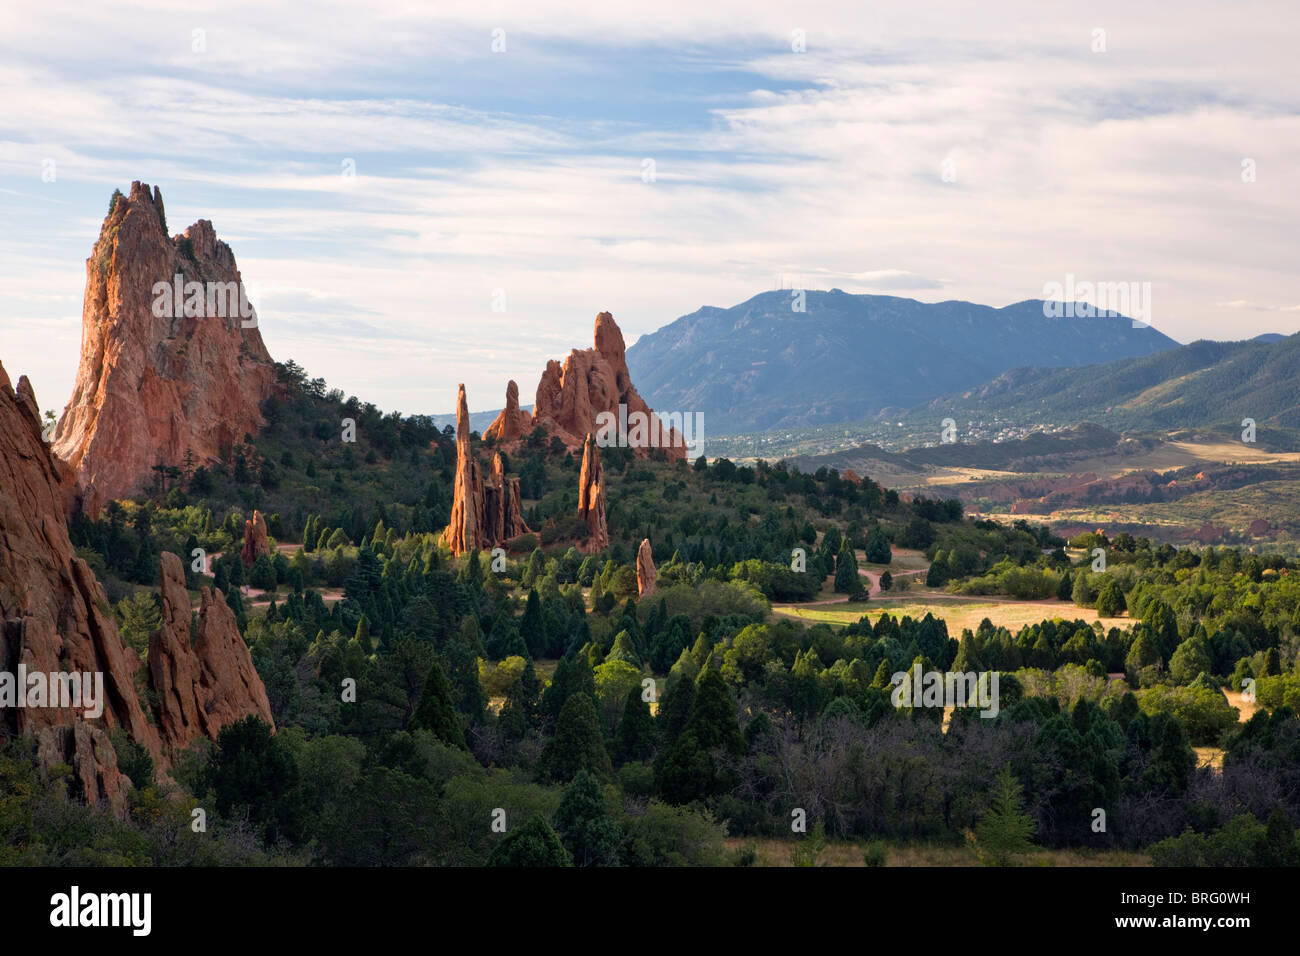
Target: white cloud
826	165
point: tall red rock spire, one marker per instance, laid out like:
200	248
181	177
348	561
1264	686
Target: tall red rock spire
646	575
511	423
155	381
484	513
591	497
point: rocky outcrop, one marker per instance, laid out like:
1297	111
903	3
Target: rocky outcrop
1211	533
57	620
229	686
484	513
204	681
645	570
572	397
591	498
157	381
504	513
511	423
256	540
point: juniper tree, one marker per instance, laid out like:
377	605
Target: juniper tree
846	572
636	731
577	743
436	712
583	825
533	844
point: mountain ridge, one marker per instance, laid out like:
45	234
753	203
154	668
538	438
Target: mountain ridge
760	364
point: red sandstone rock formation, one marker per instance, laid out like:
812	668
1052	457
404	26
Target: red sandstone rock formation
152	387
256	541
505	517
511	423
595	380
591	497
57	620
204	681
483	513
1211	533
645	570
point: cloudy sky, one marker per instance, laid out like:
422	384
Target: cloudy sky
384	173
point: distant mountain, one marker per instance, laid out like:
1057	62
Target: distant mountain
1200	386
478	421
761	365
1269	337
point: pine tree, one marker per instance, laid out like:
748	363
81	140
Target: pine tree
583	825
532	628
636	731
675	708
846	572
570	677
577	743
462	655
436	712
877	550
713	718
684	772
1005	829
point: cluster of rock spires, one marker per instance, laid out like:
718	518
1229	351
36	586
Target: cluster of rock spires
256	540
484	512
151	388
57	620
570	400
571	396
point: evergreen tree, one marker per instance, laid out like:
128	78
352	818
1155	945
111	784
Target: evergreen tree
462	656
504	639
436	712
533	844
577	743
675	709
636	731
1005	829
846	572
1110	600
221	578
684	771
877	550
583	825
262	574
571	676
1082	594
713	718
531	627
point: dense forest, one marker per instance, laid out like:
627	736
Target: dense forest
532	710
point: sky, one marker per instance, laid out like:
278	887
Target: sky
422	194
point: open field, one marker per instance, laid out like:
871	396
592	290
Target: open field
958	612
